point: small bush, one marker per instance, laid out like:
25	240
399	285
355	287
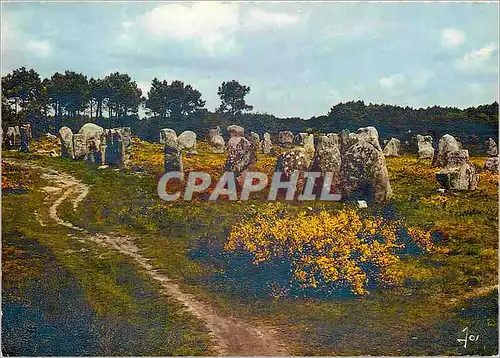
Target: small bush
325	251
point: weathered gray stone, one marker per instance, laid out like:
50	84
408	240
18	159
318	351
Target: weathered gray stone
347	140
216	141
25	130
491	164
13	137
459	174
308	144
240	155
187	141
172	153
335	139
235	131
369	135
66	135
392	148
166	132
285	139
92	138
364	173
267	145
492	148
289	161
327	159
300	138
116	145
254	138
447	144
425	148
296	159
80	149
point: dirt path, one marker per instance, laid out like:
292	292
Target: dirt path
232	336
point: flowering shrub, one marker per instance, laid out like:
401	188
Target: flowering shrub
325	250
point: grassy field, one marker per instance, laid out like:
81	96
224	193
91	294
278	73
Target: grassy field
443	292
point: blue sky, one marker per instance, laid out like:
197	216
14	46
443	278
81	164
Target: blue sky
298	58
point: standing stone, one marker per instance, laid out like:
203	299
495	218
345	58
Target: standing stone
80	149
459	173
296	159
116	144
363	170
447	144
492	148
164	133
369	135
425	148
491	164
309	144
25	131
235	131
327	160
66	135
91	137
13	137
240	155
172	153
187	141
335	138
300	138
267	145
347	140
285	139
126	144
217	143
255	140
392	148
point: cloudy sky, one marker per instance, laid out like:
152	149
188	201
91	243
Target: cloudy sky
298	58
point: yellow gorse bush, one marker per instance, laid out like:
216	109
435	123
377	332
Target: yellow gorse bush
324	248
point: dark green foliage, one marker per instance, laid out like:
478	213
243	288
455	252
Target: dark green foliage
232	95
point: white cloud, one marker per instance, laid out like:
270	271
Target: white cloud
259	18
478	59
451	37
211	23
40	48
392	81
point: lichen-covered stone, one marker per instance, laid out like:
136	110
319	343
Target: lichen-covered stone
266	145
392	148
241	155
166	132
491	164
459	174
235	131
364	173
425	148
447	144
492	150
187	141
285	139
216	141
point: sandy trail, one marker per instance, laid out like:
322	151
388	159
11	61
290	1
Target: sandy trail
232	336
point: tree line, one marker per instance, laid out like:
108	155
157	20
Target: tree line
72	99
69	98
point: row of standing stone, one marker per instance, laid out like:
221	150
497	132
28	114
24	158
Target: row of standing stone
354	161
95	144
